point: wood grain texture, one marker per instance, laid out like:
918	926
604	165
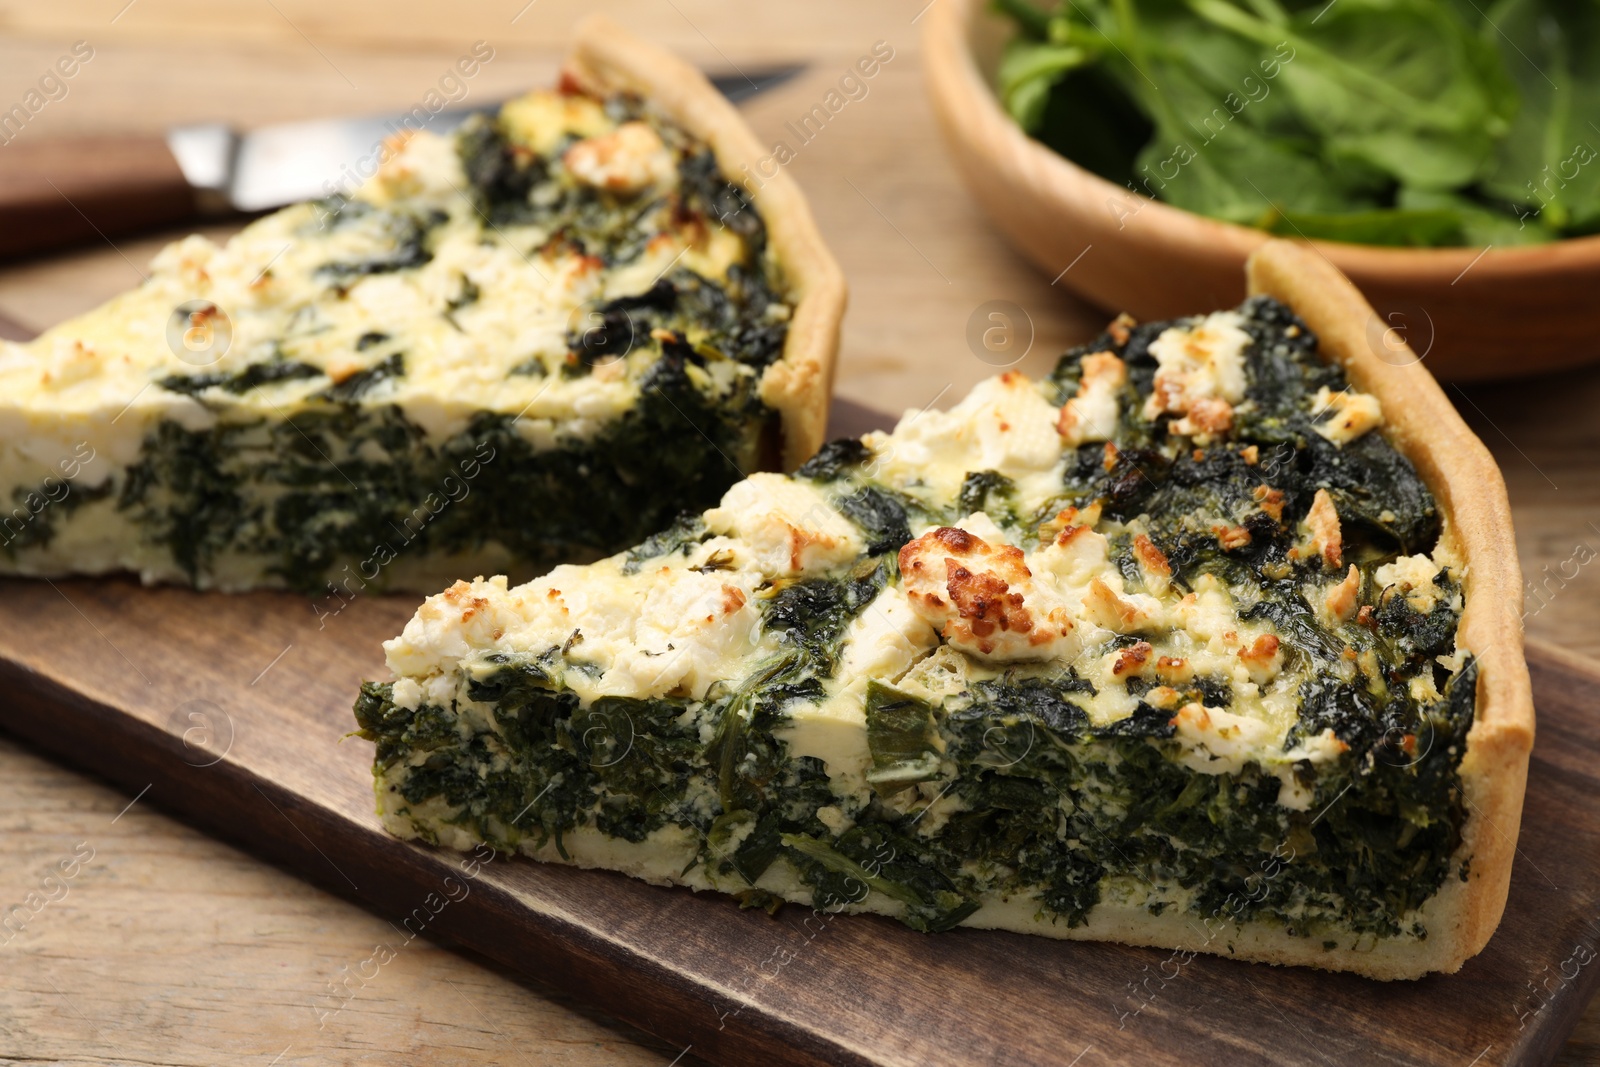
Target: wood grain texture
230	712
236	956
202	954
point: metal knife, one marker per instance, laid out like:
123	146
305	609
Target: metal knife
56	193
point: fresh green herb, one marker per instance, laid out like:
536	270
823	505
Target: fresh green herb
1392	122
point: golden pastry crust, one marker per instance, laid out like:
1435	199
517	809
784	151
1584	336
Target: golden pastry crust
608	58
1458	470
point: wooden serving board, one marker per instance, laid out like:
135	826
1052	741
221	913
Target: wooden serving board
232	711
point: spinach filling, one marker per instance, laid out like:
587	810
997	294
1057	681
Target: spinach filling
1374	844
346	489
252	377
347	482
1033	797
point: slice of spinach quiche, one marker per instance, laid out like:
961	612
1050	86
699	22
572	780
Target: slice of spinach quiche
534	340
1207	641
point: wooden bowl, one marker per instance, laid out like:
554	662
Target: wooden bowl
1470	313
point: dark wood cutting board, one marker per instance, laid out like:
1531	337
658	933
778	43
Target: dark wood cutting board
232	712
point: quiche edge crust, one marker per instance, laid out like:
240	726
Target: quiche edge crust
1423	425
799	386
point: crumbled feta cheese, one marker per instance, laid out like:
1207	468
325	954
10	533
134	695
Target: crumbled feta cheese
1005	425
982	598
1344	416
626	160
1201	362
885	639
1091	415
788	525
1413	578
1320	533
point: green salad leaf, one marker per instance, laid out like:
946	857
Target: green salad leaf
1545	167
1393	122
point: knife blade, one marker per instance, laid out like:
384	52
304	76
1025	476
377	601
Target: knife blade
61	192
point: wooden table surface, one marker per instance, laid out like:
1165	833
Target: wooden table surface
168	947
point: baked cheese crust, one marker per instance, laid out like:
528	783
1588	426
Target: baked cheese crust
536	339
1165	643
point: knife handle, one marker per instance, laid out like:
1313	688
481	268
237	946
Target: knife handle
55	193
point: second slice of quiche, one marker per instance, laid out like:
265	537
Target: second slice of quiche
1207	641
534	340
